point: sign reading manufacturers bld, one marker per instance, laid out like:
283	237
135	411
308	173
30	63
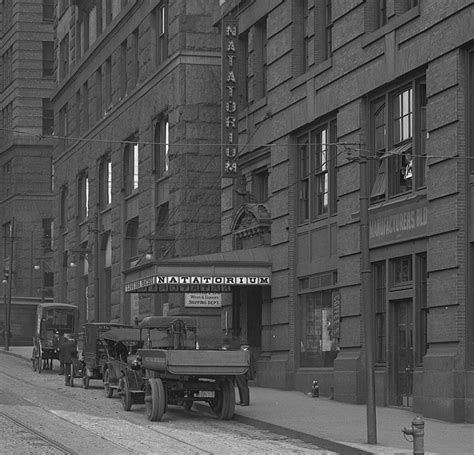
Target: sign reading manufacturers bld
186	283
398	225
229	98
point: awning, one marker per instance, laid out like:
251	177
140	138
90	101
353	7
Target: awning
216	272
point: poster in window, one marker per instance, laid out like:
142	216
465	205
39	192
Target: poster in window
326	338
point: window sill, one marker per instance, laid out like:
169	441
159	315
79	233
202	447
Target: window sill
132	195
106	209
392	24
311	73
399	200
251	108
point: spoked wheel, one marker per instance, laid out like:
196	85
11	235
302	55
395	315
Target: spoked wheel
224	402
34	360
155	399
39	358
108	390
126	395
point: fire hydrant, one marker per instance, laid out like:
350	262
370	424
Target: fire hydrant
417	430
315	389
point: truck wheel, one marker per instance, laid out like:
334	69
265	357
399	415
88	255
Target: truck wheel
108	390
228	400
155	399
126	395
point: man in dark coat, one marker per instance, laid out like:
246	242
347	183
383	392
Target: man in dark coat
242	381
69	354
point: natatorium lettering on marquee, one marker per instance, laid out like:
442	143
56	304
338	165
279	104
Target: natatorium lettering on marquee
229	280
399	222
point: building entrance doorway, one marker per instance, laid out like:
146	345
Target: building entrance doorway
403	353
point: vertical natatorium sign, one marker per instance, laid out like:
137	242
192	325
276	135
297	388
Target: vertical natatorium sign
229	98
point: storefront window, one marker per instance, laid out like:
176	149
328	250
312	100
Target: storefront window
318	344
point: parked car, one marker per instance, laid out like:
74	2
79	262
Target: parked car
121	345
53	320
94	353
171	370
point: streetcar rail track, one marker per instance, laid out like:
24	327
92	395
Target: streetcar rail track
51	442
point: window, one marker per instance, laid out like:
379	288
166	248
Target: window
123	69
401	271
7	234
7	62
63	124
63	208
380	304
85	106
48	117
161	148
381	12
48	58
7	178
159	43
7	121
7	14
107	17
105	182
163	240
244	76
63	6
260	59
108	84
328	29
318	341
98	94
78	112
130	165
260	185
47	240
422	304
398	136
135	61
322	30
317	173
83	196
131	240
64	57
48	10
402	6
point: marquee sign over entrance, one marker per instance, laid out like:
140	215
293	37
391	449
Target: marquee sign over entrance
186	283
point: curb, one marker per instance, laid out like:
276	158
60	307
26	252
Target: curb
14	354
328	444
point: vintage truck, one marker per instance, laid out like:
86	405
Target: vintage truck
172	370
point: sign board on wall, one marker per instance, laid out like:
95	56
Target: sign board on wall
395	225
203	300
229	98
198	284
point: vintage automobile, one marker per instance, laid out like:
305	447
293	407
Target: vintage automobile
121	346
53	320
171	370
94	351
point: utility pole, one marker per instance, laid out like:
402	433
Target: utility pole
366	300
8	299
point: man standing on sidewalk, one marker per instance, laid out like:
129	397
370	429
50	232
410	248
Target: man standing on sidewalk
242	381
69	354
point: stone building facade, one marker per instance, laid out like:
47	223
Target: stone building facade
26	184
137	160
320	85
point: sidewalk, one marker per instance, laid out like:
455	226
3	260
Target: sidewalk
336	426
